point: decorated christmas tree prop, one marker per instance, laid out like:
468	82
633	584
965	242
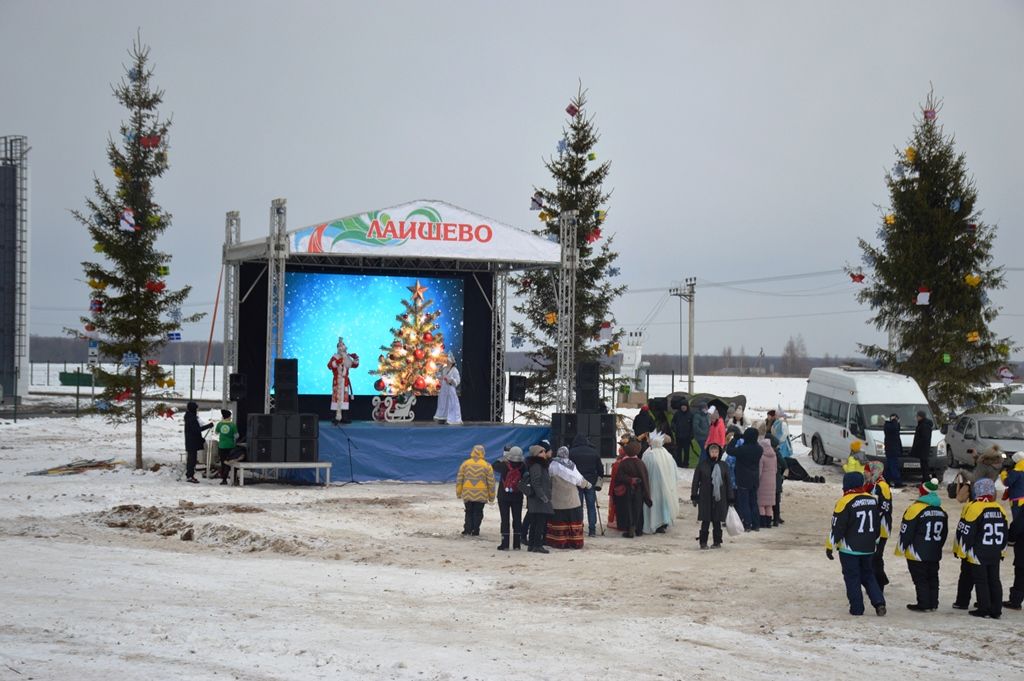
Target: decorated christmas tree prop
132	312
414	359
929	273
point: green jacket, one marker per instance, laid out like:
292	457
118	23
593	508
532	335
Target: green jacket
227	433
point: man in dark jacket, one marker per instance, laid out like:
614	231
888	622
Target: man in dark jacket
632	489
588	463
682	431
748	452
538	503
922	447
644	422
894	450
193	439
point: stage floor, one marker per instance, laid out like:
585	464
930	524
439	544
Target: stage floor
415	452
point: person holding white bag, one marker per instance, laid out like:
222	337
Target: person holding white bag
712	494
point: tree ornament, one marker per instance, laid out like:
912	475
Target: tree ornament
890	219
428	337
90	327
418	354
1005	375
536	201
946	358
614	271
127	223
98	248
972	227
130	359
98	285
153	220
954	205
160	157
95	306
151	362
592	156
123	395
420	383
517	341
572	110
175	315
133	75
857	277
612	349
163	270
924	295
973	337
551	318
563	146
899	171
417	290
155	286
929	114
972	280
910	154
118	172
599	214
543	216
594	235
174	336
378	385
149	141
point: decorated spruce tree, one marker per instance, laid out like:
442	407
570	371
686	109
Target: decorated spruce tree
579	177
413	361
132	313
928	275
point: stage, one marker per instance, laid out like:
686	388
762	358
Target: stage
415	452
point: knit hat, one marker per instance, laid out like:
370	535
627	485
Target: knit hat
716	446
514	454
853	481
1018	457
928	486
537	450
632	448
545	445
984	487
873	471
855	446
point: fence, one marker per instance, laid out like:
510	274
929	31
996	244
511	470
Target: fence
188	378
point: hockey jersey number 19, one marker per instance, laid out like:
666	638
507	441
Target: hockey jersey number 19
923	533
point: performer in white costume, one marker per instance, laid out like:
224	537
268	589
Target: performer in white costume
341	392
448	408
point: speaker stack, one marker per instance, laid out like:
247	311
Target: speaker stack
517	388
598	428
283	438
588	384
286	386
237	387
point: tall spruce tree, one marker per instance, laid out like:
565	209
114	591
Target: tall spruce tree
579	179
930	272
131	309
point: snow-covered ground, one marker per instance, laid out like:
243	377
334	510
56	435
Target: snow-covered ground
136	574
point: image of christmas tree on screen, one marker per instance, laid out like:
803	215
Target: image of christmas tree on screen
413	361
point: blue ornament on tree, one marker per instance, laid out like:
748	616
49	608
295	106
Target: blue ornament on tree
613	271
899	171
880	234
517	341
133	75
563	146
954	205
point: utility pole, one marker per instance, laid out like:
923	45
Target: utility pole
686	292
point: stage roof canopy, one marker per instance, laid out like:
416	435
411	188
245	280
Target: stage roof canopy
414	234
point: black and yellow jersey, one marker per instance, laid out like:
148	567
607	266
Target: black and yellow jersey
923	533
982	533
855	524
884	495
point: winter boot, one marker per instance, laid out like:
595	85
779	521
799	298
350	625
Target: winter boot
515	542
503	546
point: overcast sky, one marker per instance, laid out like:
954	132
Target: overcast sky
748	139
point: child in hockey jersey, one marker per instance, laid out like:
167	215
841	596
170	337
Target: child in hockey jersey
855	526
922	535
875	484
981	537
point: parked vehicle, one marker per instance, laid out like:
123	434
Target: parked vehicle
846	403
977	432
1014	405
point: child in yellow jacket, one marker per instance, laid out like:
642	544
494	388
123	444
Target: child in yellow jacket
475	486
857	459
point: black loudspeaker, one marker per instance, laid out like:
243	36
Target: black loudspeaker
286	373
267	450
237	387
267	426
563	429
301	450
588	399
599	429
303	426
286	401
517	388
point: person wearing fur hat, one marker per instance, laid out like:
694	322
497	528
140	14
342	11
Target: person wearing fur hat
661	475
923	533
538	503
980	543
565	528
193	440
989	464
855	523
632	490
857	458
874	483
474	484
748	463
620	454
510	468
712	493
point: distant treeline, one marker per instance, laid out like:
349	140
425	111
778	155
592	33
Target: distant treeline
60	349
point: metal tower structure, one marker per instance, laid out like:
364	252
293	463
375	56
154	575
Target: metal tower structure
14	336
232	236
277	257
499	301
565	301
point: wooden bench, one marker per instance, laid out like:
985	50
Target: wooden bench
317	466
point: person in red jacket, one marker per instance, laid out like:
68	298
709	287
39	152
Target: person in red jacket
716	428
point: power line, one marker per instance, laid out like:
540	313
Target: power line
759	280
754	319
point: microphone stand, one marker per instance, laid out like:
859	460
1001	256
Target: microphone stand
351	470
